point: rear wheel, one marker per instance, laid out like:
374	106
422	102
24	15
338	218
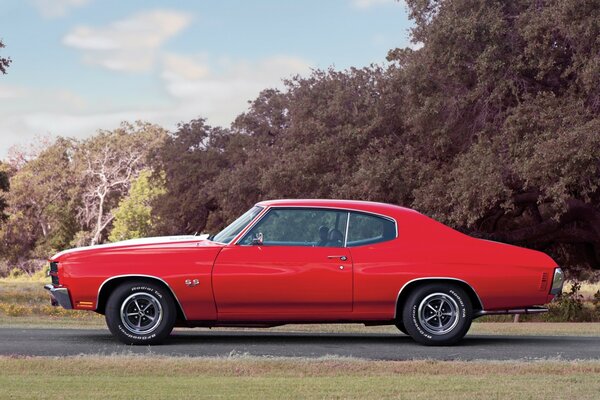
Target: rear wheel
437	314
140	313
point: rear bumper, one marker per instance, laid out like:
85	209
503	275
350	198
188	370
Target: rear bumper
59	296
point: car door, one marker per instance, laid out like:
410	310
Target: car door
299	268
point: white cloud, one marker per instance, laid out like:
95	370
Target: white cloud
195	86
363	4
220	90
128	45
191	68
12	92
57	8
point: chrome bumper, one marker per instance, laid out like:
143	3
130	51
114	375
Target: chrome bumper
59	296
533	310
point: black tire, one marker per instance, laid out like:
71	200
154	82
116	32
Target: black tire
140	313
437	314
400	325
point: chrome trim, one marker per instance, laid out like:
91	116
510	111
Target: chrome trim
557	281
433	278
348	226
248	227
60	295
442	328
140	276
263	208
349	209
141	313
535	310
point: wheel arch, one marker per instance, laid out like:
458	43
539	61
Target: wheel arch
411	285
110	284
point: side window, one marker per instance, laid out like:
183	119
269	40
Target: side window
368	229
300	227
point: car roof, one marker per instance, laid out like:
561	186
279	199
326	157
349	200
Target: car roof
367	206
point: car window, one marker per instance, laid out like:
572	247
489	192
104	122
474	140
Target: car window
232	230
300	227
368	229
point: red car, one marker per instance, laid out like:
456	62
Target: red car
306	261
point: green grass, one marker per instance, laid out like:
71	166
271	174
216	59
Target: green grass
23	303
124	377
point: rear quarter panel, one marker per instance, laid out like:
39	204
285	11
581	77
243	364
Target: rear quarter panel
502	276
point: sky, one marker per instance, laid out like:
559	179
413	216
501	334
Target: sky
84	65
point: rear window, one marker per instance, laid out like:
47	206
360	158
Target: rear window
366	229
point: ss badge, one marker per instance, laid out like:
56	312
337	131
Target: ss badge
192	283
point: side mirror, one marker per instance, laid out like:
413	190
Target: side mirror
258	239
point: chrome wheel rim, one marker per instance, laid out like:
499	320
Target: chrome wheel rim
141	313
438	313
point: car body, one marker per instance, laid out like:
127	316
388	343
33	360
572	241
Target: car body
307	261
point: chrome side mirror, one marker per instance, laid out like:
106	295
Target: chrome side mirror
258	239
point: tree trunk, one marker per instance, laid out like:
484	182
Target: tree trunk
99	228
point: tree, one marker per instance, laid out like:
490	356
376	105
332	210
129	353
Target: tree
4	62
190	160
502	107
133	217
4	189
40	204
107	163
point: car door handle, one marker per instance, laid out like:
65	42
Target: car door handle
343	258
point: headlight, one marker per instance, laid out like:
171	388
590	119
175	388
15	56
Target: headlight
557	282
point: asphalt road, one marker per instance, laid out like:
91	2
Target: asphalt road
201	342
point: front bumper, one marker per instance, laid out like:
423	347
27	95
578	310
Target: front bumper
59	296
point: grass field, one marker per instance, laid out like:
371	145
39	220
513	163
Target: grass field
23	303
125	377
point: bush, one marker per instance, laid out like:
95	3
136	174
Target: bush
596	302
570	307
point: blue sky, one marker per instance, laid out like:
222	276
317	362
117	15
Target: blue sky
83	65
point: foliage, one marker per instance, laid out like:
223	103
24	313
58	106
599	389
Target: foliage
107	163
596	301
4	62
63	193
133	217
498	88
569	305
40	205
190	159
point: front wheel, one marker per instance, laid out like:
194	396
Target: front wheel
400	325
437	314
140	313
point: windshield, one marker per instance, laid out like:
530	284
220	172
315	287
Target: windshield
232	230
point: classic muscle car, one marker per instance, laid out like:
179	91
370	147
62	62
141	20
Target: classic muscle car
306	261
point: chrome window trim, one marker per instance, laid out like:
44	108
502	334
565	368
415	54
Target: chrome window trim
140	276
347	226
430	278
243	232
380	216
348	209
246	227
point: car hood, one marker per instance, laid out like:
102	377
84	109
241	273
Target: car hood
153	242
